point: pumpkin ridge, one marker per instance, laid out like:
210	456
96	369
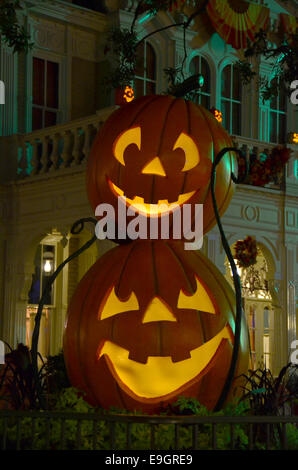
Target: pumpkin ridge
177	257
123	267
172	103
155	277
147	103
189	132
78	342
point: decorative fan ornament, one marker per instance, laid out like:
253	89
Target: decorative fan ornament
289	23
236	21
200	24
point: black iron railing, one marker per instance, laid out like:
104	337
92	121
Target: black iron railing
94	431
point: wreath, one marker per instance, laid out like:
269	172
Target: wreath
246	252
267	169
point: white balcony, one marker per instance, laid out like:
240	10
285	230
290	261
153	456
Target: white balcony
65	148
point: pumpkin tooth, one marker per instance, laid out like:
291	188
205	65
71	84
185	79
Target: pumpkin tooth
138	200
142	358
181	356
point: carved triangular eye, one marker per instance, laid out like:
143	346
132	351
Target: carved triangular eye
130	136
113	306
189	147
200	300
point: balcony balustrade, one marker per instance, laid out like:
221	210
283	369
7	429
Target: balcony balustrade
67	146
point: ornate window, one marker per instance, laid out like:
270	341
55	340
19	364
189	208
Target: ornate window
45	93
231	96
259	311
145	79
200	65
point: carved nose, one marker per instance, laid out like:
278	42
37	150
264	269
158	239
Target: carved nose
154	168
158	310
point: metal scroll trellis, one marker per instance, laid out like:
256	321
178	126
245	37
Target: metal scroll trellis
78	227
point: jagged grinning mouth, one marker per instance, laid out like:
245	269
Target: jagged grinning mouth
139	205
161	376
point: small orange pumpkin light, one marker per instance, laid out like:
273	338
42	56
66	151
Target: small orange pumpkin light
128	94
293	138
124	95
217	114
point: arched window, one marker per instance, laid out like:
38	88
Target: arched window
200	65
231	96
145	79
277	115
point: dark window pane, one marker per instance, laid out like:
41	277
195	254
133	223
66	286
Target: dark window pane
282	99
150	62
226	82
38	81
52	85
236	85
236	119
273	101
273	127
139	87
225	108
36	119
50	118
194	66
140	61
282	129
150	88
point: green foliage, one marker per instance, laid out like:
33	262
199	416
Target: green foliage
122	44
70	400
292	436
66	401
13	34
56	373
284	60
246	72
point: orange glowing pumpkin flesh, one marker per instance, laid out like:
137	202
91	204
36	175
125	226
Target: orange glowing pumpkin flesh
160	149
127	355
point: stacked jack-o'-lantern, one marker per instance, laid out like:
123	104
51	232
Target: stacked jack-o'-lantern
150	321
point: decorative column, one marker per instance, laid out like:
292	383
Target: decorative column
8	74
291	295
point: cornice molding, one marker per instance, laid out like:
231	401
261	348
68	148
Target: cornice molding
68	13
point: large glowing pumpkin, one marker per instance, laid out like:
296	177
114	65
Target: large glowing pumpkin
137	338
159	150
